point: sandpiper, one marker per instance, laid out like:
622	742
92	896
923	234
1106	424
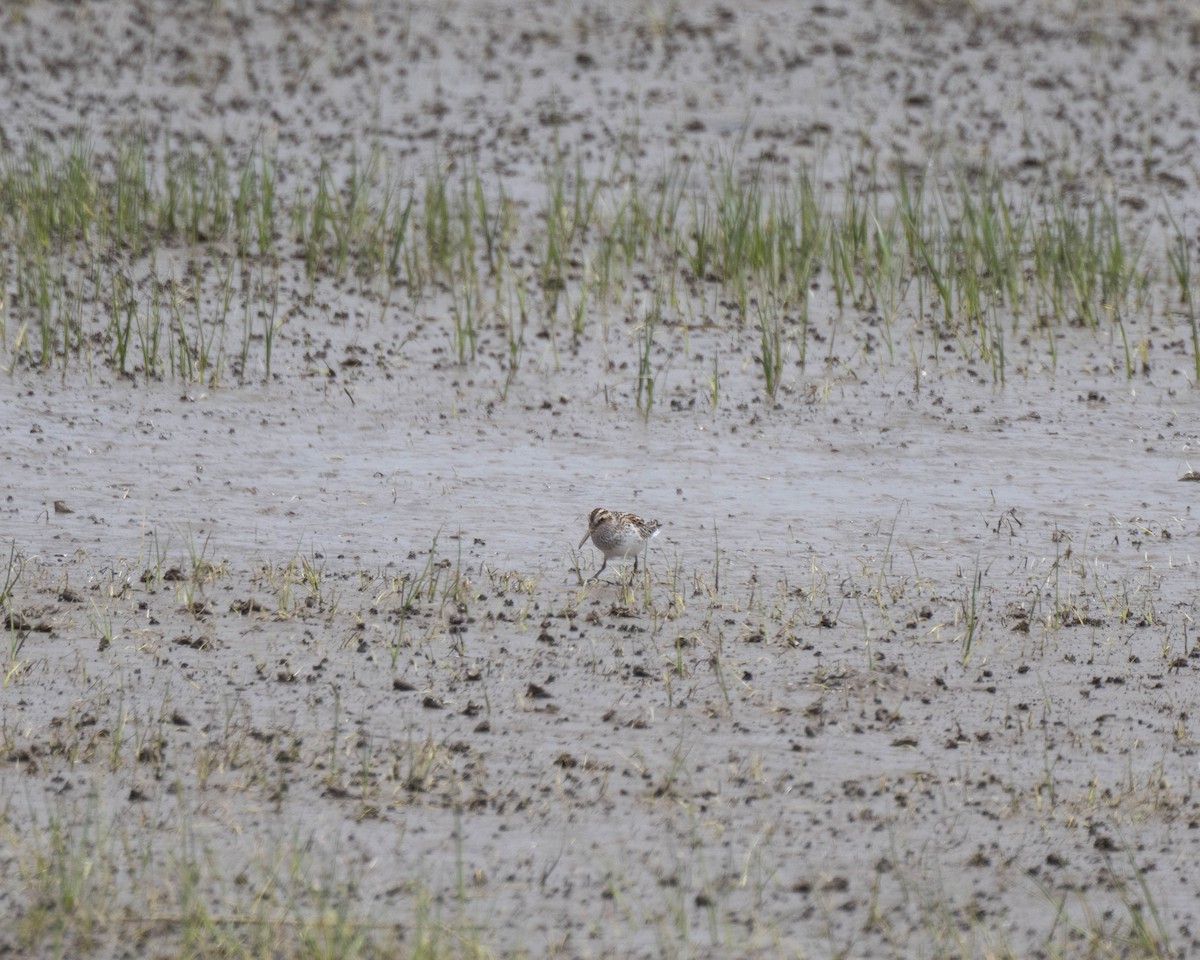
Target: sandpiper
618	535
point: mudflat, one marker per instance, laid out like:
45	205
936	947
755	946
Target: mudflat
325	326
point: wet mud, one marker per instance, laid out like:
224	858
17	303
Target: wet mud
913	665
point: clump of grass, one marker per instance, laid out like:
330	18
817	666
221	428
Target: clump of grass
12	573
971	615
771	347
644	381
11	622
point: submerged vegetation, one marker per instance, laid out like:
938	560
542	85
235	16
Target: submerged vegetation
181	266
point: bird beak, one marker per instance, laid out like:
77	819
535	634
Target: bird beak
584	540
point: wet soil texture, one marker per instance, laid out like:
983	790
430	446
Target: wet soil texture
911	669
